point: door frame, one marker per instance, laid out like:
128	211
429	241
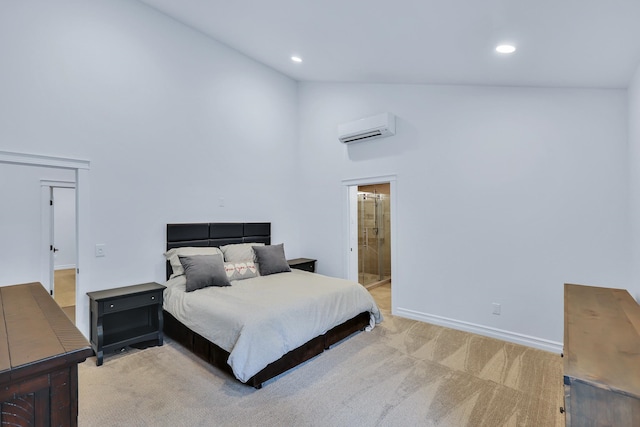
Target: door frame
83	238
350	224
47	227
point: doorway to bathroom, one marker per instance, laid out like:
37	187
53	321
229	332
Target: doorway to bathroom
370	230
374	235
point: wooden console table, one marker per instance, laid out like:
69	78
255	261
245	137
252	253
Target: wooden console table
40	349
601	357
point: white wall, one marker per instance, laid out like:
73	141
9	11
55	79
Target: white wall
20	217
170	120
634	168
64	227
503	195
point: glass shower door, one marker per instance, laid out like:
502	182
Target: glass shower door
371	241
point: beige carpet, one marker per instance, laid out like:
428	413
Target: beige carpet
403	373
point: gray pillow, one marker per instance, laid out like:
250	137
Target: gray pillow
271	259
173	256
203	271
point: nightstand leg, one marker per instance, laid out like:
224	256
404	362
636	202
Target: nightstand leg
160	325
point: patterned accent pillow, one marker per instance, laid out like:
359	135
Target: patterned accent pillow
241	270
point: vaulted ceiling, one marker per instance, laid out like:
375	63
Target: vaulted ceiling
560	43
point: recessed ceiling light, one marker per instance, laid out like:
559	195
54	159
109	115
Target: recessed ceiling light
505	48
296	59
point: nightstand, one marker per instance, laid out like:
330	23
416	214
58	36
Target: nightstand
306	264
125	316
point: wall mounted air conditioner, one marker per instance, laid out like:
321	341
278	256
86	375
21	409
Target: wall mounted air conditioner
378	126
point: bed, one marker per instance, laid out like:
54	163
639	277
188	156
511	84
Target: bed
267	344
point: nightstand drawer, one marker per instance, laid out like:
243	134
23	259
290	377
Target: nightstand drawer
306	264
119	304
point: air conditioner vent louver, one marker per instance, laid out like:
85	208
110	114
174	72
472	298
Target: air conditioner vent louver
379	126
368	135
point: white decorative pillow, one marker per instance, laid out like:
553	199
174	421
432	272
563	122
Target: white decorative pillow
173	254
241	270
239	252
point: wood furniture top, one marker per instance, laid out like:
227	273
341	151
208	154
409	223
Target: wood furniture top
35	334
125	291
602	338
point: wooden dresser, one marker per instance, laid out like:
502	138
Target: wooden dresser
40	349
601	357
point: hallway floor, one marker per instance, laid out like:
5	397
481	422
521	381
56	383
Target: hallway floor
382	295
64	291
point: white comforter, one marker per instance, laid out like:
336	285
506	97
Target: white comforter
261	319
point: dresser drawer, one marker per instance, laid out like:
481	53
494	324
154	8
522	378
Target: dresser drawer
125	303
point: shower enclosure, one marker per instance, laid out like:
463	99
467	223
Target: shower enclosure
374	235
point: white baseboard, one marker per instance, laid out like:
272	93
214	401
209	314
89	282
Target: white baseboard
535	342
64	267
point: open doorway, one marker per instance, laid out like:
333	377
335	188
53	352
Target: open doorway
28	273
371	230
63	247
374	235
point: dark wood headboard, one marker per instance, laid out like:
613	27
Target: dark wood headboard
216	234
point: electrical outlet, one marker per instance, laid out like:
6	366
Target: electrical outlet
101	250
496	308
